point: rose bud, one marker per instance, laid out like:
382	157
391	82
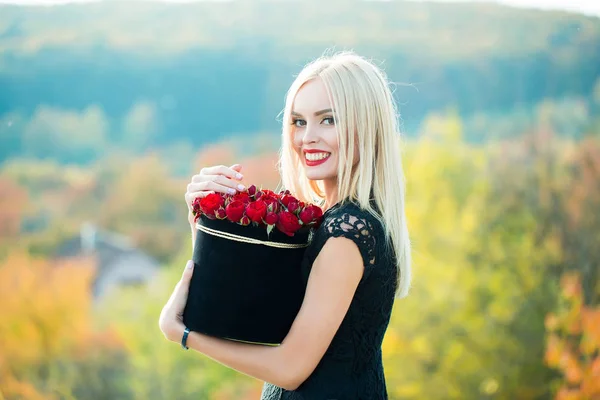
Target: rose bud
235	211
287	198
317	215
256	210
288	223
307	215
271	218
293	206
245	221
196	210
318	212
271	202
220	213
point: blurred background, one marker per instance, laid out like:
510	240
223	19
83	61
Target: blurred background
108	108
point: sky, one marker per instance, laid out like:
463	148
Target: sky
589	7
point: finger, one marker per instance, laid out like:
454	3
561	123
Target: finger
188	271
182	287
217	183
236	167
222	170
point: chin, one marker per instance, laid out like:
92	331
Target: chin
318	176
321	172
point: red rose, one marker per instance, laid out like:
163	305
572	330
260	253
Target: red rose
245	221
235	211
271	218
311	214
256	210
196	209
317	210
209	204
271	200
288	223
287	198
293	206
243	197
306	215
251	190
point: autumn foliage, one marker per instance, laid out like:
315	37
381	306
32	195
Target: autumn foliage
494	228
45	327
573	343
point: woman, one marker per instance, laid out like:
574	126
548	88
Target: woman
340	147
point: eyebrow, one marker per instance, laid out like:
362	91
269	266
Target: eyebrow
325	111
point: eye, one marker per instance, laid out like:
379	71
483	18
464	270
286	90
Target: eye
329	120
297	122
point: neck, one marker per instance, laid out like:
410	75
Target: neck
331	193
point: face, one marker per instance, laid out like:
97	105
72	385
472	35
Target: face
313	131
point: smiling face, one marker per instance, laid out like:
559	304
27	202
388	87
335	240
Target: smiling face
314	134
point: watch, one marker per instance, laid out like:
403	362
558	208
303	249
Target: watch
186	332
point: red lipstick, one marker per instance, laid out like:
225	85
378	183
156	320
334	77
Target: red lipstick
314	163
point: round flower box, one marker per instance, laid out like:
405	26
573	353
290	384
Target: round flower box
247	283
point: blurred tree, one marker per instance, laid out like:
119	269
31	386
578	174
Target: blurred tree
442	323
261	170
140	127
159	368
577	217
46	306
145	203
13	203
66	135
573	343
214	154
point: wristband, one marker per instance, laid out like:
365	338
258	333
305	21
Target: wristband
186	332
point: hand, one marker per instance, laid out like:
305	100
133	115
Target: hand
171	316
213	179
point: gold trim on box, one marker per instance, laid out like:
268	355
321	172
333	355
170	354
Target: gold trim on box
231	236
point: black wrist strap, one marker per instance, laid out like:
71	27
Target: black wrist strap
186	332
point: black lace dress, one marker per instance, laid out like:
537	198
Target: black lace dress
352	367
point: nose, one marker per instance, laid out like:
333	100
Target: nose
310	135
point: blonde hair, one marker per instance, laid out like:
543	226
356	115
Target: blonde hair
363	103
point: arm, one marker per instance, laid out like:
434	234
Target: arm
319	318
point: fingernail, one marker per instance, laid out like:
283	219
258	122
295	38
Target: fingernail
189	264
231	191
241	187
239	176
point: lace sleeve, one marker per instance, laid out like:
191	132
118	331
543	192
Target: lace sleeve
358	229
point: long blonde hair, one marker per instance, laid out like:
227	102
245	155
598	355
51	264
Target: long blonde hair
363	103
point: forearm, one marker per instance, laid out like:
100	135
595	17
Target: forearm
266	363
